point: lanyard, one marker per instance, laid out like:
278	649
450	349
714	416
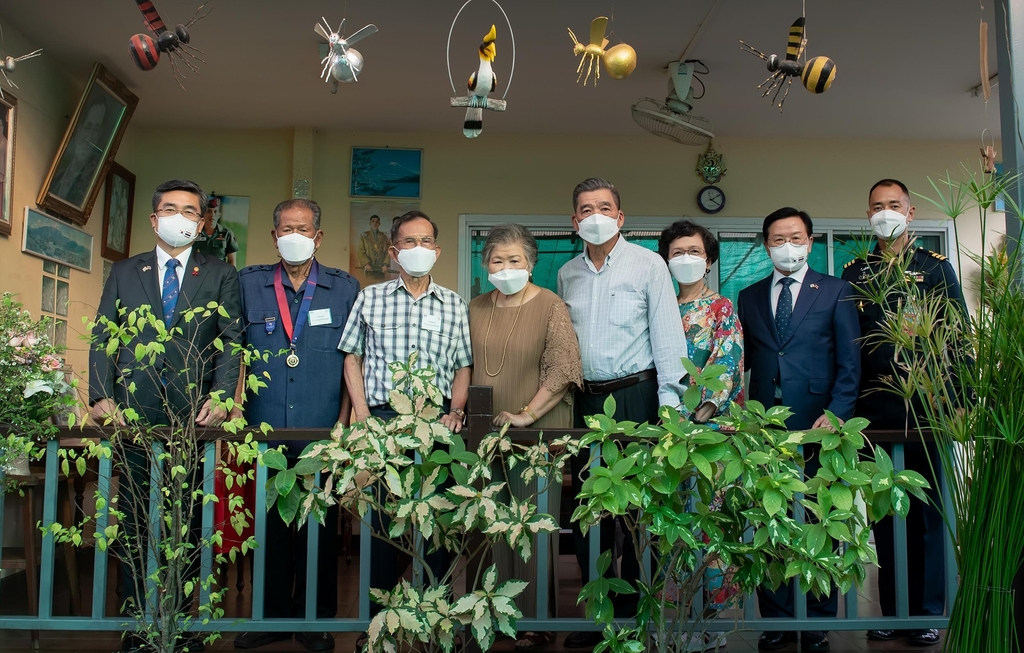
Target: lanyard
282	303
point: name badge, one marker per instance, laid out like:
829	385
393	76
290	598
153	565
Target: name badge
432	323
320	317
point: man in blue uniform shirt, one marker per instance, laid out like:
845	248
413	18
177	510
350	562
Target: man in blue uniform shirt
890	213
300	306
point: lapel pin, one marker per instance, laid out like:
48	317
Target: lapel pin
195	272
147	268
814	285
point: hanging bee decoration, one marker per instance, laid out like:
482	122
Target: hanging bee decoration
145	50
619	60
816	75
8	63
343	63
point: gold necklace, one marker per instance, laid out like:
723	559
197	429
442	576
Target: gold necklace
494	304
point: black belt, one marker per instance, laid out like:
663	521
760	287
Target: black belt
604	387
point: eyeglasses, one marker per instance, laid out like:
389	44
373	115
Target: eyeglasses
693	251
796	240
409	243
166	212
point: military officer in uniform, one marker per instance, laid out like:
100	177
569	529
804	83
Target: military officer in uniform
215	239
890	214
373	251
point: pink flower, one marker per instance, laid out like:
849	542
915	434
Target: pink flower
16	341
51	362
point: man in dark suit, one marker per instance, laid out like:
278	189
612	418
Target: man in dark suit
176	389
801	332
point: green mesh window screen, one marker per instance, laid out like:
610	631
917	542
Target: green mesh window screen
555	248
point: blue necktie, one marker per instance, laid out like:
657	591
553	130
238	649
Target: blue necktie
169	295
784	309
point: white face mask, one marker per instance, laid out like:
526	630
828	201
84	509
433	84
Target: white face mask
509	281
688	269
296	248
888	224
789	257
417	261
176	230
598	228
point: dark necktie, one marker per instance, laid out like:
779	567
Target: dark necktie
784	309
169	295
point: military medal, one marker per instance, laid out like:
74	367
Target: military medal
286	315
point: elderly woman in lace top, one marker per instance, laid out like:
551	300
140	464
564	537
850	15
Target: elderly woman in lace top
524	347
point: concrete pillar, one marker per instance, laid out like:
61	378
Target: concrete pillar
1009	29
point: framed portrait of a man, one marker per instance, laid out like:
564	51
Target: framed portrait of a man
88	147
8	105
117	213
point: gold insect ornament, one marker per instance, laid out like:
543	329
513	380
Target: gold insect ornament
619	60
816	74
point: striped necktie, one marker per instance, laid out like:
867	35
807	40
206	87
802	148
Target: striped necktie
169	295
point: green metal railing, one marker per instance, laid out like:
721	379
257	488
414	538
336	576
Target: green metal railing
478	422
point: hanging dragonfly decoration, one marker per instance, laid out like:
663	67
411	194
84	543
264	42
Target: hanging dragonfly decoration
8	63
343	63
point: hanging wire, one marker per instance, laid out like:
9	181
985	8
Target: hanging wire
448	48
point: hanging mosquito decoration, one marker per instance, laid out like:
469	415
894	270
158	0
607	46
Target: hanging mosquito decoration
8	63
343	63
145	51
816	75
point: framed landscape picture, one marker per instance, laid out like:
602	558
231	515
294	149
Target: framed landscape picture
88	147
117	213
54	240
8	121
385	172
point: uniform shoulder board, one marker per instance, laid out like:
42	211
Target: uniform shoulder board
936	255
254	268
852	263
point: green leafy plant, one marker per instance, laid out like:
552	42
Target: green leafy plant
34	395
437	494
155	541
963	376
698	497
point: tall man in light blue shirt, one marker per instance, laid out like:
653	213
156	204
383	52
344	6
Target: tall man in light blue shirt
624	310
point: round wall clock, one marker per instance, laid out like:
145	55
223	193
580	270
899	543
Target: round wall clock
711	199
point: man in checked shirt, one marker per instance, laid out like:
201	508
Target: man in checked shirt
390	321
624	310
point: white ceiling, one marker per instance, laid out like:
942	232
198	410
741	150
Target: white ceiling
904	67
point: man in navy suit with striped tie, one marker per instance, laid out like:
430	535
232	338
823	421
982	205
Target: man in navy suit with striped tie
801	335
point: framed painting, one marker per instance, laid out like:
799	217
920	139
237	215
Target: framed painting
385	172
88	147
8	122
117	213
54	240
370	235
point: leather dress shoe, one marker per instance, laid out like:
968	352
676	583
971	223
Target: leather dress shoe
927	637
583	639
775	640
315	641
814	640
885	634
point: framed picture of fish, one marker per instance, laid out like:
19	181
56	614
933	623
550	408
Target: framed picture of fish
385	172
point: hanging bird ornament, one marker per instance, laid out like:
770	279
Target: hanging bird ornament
619	61
343	63
816	74
8	63
481	84
145	51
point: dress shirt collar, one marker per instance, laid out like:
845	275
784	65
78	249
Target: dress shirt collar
162	257
432	289
616	250
797	276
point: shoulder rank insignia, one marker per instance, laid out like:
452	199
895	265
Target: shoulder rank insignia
936	255
853	262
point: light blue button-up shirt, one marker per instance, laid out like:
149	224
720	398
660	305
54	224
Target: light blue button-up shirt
626	317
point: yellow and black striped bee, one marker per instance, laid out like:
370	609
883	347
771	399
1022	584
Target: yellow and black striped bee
817	74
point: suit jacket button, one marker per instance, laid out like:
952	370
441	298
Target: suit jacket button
782	353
